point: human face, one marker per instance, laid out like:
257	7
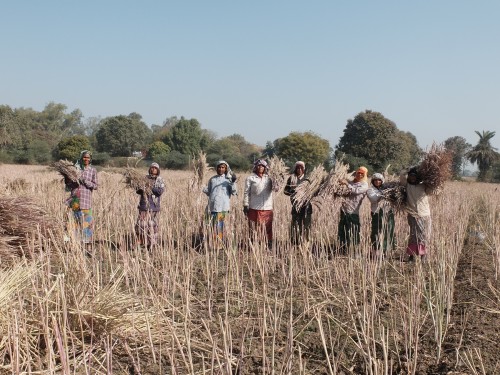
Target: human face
86	159
299	170
359	175
377	182
221	169
260	169
153	171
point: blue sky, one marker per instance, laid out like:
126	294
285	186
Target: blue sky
260	68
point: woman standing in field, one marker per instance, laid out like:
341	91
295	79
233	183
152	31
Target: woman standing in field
419	213
382	223
219	190
81	221
146	226
258	201
301	218
349	223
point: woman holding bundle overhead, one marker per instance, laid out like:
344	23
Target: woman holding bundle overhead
382	224
146	226
301	217
220	188
419	214
349	223
81	222
258	200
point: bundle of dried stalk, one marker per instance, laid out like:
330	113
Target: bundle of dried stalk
308	189
201	169
137	180
435	168
278	173
395	194
20	217
332	186
66	169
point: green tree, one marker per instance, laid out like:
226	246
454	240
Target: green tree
187	137
158	151
70	148
459	147
235	150
121	135
308	147
484	154
372	137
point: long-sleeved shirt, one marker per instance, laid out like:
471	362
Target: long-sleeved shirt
151	202
417	201
219	191
83	190
377	202
258	192
353	201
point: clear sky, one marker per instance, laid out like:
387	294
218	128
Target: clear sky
260	68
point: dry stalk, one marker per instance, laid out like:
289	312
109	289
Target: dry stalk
435	168
66	169
278	172
137	180
309	189
201	169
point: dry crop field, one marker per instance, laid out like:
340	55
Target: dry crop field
187	307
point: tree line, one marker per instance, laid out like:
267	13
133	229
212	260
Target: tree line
39	137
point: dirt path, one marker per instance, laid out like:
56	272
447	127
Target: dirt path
472	345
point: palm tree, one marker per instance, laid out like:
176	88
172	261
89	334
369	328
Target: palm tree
484	154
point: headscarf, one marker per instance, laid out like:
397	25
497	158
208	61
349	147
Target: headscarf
414	171
79	163
229	173
297	163
365	171
155	165
378	176
260	162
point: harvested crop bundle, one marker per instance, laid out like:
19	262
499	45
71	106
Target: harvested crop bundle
332	186
278	172
137	180
66	169
395	194
308	189
435	168
20	217
201	168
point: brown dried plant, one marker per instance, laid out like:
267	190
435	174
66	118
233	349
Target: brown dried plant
66	169
435	168
137	180
278	172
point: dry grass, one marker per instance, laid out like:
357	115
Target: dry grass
278	172
200	169
66	169
435	168
241	308
137	180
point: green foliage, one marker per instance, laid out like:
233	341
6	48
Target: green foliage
233	149
308	147
158	151
377	140
70	148
355	162
459	147
176	160
187	137
100	158
484	154
121	135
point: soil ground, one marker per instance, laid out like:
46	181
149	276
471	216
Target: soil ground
474	332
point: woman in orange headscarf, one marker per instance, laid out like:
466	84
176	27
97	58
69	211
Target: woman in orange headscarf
349	223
